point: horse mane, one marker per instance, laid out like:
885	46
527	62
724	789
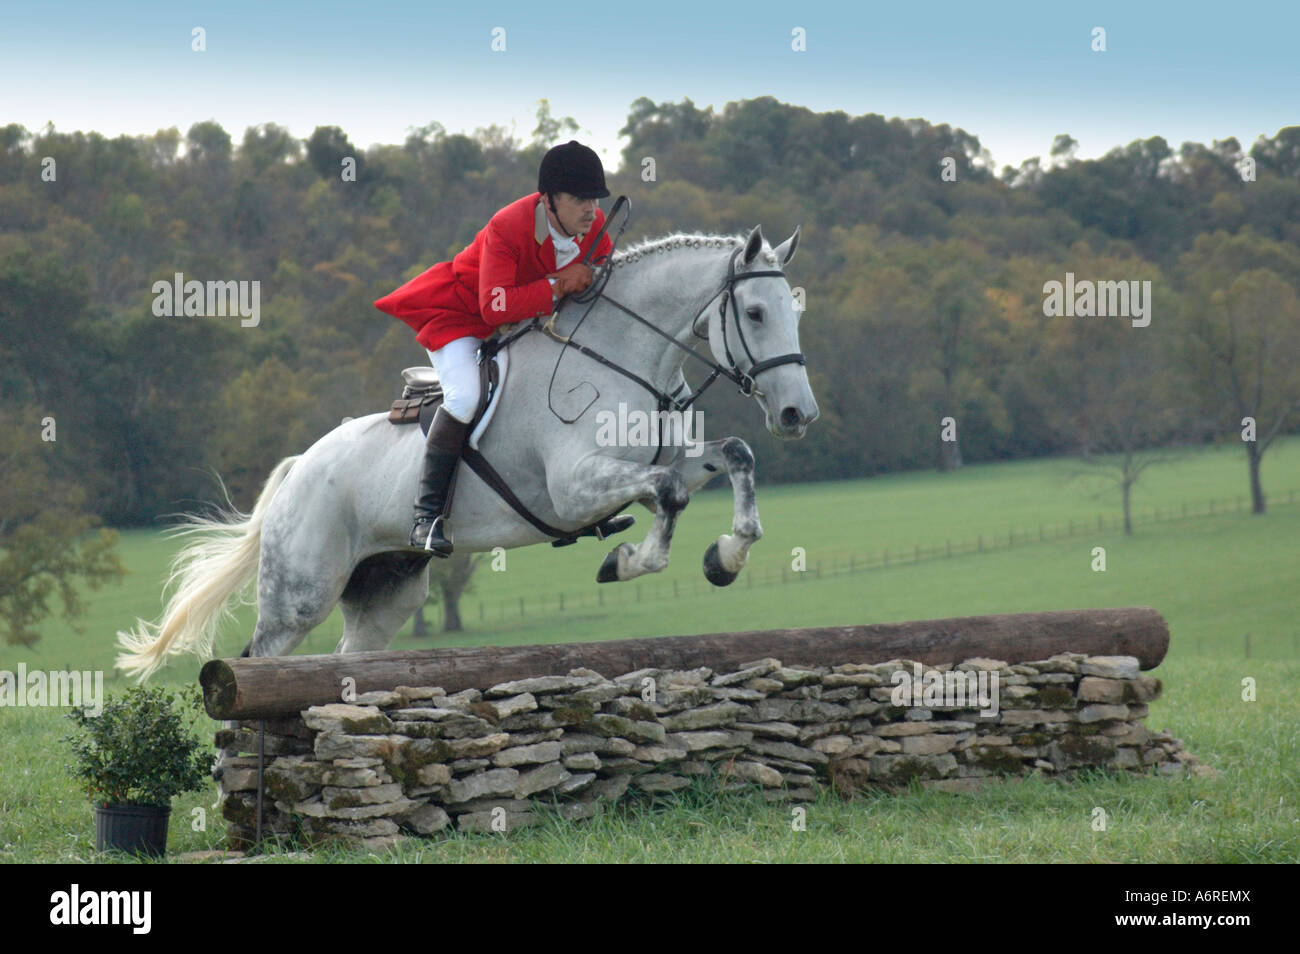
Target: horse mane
676	240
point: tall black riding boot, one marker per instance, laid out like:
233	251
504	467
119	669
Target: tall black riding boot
441	454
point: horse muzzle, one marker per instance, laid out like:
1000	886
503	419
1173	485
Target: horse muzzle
792	423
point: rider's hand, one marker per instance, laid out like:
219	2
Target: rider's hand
572	279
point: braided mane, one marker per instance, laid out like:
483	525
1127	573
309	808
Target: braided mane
677	240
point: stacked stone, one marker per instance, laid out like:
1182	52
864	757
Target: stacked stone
420	760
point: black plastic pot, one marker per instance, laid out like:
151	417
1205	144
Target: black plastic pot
136	829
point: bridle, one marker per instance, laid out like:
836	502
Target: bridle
745	380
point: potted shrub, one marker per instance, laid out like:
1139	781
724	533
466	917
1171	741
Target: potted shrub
132	758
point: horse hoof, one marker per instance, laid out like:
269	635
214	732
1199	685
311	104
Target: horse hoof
608	572
714	571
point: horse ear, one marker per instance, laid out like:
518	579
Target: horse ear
753	245
785	251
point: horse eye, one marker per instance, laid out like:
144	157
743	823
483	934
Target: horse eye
756	314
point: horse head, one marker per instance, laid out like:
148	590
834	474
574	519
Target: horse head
754	331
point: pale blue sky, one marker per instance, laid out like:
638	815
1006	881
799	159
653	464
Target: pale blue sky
1012	73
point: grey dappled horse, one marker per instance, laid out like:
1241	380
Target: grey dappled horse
331	524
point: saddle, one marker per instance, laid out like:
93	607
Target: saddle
421	395
420	387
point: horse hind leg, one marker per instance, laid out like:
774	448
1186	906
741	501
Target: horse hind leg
276	634
303	569
383	592
377	600
286	612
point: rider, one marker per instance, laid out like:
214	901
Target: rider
518	267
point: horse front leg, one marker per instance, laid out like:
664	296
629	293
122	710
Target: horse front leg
726	556
599	484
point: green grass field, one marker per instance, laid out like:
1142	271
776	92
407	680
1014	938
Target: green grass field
1227	583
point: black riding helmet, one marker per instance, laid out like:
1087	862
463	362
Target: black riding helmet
573	168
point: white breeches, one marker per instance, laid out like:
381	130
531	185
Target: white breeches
458	373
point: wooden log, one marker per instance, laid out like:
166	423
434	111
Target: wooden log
282	685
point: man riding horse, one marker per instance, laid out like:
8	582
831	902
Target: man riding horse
327	531
527	258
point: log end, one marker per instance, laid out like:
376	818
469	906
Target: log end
220	688
1141	631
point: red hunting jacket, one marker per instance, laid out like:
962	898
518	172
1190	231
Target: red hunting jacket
500	278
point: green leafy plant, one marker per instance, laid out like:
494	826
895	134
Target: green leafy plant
141	750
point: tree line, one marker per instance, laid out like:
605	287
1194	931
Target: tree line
923	267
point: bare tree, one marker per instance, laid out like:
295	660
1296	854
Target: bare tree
449	580
1242	338
1127	422
1121	409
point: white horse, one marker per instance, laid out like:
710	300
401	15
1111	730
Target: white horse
331	524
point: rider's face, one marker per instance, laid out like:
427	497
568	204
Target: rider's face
576	215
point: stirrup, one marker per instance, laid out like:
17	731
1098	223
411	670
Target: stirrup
426	544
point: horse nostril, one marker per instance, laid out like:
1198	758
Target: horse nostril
790	417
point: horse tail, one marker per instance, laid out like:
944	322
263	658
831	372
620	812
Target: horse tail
219	562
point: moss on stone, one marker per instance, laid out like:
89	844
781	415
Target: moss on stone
571	715
995	758
1056	697
1093	750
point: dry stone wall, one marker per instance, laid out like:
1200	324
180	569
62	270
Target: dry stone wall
417	760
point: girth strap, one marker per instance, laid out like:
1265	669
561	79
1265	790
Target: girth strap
489	475
478	463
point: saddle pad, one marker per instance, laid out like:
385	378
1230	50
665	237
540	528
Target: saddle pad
502	359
